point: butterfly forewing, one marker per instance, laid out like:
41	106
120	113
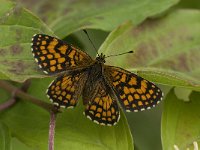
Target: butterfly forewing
65	90
102	108
54	55
134	92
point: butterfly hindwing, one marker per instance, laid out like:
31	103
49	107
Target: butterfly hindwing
54	55
134	92
102	108
65	90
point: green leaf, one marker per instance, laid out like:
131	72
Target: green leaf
104	15
69	16
17	26
180	122
5	137
166	50
73	130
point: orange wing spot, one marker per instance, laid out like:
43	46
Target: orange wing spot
72	89
151	91
105	106
112	110
80	57
72	53
44	52
144	84
143	97
42	47
123	78
115	83
104	114
59	67
146	103
60	98
68	96
154	96
109	119
130	98
98	115
132	81
57	55
44	42
52	92
148	96
139	91
97	100
113	117
132	90
63	93
143	89
49	56
65	101
72	63
126	103
100	102
136	96
61	60
114	73
133	105
52	87
93	107
140	103
58	83
44	64
52	62
122	96
126	90
51	50
109	113
99	110
53	68
42	58
63	49
72	102
54	42
103	118
58	92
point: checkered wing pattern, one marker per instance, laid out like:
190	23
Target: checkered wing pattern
65	90
54	55
102	108
134	92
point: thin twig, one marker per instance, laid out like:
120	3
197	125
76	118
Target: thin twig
7	104
24	96
52	130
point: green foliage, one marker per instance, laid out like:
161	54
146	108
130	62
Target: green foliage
166	51
5	137
180	121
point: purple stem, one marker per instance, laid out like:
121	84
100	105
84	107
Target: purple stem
52	130
7	104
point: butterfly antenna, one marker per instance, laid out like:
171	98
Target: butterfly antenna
91	41
120	54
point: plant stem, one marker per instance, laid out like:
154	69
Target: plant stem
24	96
52	130
7	104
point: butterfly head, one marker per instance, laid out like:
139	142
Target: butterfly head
101	58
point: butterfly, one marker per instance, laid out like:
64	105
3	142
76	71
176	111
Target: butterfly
103	88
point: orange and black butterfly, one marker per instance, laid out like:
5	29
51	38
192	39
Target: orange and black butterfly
103	88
